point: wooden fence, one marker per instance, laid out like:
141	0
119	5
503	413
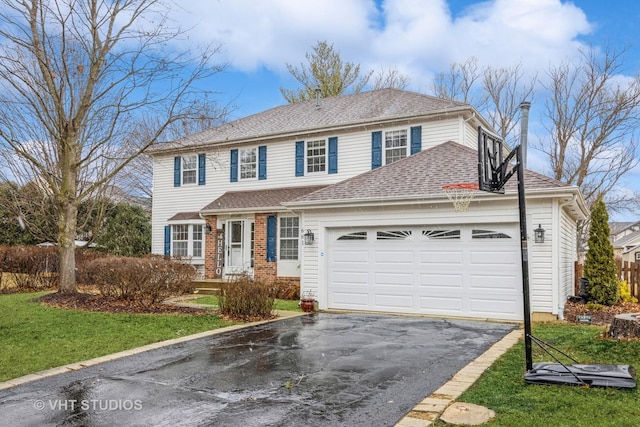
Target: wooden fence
629	271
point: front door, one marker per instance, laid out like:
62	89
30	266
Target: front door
239	239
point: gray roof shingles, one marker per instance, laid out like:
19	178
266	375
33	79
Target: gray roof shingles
302	117
420	175
258	199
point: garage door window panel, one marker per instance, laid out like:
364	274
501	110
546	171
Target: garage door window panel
441	234
488	234
358	235
393	235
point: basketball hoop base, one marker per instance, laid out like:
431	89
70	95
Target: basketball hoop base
461	194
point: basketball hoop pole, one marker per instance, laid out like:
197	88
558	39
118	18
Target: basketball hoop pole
524	257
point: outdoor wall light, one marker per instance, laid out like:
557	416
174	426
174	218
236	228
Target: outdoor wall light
207	229
539	234
308	237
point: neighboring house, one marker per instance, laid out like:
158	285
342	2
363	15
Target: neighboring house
363	173
625	237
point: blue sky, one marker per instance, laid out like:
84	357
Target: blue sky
418	37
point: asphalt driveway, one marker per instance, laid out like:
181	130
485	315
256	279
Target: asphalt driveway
318	370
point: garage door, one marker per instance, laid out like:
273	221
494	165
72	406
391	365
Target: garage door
469	271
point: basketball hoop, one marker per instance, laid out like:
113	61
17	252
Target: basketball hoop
461	194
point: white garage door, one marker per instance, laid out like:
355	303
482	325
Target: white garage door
470	271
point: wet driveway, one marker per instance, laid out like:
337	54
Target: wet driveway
317	370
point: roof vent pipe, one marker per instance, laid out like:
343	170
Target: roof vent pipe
317	97
524	129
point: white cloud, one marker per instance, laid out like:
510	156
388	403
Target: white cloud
419	37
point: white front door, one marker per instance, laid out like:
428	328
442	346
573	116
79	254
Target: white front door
240	240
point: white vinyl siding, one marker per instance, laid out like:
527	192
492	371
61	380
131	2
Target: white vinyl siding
354	153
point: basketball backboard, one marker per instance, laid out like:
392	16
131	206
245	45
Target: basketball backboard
493	167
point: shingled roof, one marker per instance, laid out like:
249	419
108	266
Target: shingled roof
338	111
257	200
420	175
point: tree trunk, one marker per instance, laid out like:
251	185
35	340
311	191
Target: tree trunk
625	326
67	247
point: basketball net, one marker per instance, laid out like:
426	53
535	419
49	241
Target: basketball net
461	194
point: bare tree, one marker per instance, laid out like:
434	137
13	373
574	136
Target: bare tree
136	177
326	71
494	91
73	77
592	121
460	83
506	88
390	78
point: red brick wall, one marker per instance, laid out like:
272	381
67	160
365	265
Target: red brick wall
210	247
262	269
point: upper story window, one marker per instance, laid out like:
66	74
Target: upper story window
395	145
189	169
248	163
316	156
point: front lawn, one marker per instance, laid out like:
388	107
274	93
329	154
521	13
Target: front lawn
35	337
502	387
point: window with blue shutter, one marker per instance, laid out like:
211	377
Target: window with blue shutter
299	158
416	139
262	162
234	166
271	238
167	240
333	155
376	149
177	163
202	161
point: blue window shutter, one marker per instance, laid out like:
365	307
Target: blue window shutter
177	163
202	176
167	240
271	238
234	166
262	162
299	158
376	149
333	154
416	139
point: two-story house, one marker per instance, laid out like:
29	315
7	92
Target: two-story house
345	195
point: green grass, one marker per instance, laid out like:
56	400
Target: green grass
280	304
502	387
34	337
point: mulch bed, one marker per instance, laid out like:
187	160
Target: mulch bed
600	316
93	302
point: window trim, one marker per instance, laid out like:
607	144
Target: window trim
184	169
325	156
406	146
191	226
294	237
242	163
